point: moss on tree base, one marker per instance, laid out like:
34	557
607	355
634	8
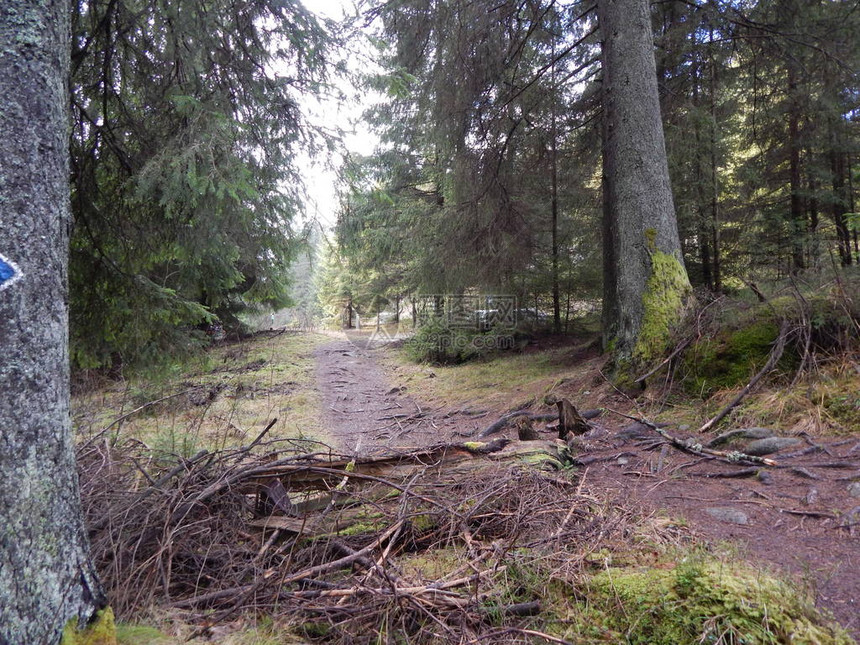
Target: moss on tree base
663	303
102	631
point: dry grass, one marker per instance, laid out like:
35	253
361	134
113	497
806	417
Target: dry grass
215	401
503	382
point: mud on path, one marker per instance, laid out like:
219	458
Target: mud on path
366	413
801	517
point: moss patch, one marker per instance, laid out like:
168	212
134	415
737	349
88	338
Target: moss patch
127	634
702	602
731	357
666	293
844	408
102	631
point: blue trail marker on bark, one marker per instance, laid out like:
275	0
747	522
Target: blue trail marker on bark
9	272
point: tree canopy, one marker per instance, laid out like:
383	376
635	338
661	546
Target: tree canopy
187	125
488	175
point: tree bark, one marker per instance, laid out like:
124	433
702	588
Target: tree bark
556	292
715	178
796	215
46	576
645	282
840	202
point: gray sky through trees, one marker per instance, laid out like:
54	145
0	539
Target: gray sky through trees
321	174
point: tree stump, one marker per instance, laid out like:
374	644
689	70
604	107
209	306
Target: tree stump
569	420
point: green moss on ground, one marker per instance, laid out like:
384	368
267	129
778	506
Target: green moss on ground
843	407
700	602
731	357
102	631
127	634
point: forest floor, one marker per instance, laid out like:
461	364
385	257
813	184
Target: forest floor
358	395
801	517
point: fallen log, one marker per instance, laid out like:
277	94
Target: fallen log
313	498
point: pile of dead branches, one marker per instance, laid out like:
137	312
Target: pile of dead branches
338	548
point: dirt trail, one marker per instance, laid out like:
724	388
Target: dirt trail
801	517
365	412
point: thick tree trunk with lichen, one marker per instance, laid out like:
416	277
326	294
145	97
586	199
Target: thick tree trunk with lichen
46	578
645	282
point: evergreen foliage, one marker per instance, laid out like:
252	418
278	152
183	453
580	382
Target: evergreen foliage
478	120
184	185
187	125
491	124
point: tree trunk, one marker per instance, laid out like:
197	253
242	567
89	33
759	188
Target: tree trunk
715	178
46	576
851	203
703	220
797	217
645	282
556	293
812	213
839	205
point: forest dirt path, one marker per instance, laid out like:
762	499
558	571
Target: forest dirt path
365	412
802	517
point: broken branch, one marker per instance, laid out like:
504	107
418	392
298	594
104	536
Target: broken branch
696	448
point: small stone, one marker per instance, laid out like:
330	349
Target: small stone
634	431
757	433
770	445
854	489
740	433
623	461
765	477
730	515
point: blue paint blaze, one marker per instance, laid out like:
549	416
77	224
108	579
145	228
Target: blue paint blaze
8	272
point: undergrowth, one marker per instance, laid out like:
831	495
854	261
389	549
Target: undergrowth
441	344
496	555
730	339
